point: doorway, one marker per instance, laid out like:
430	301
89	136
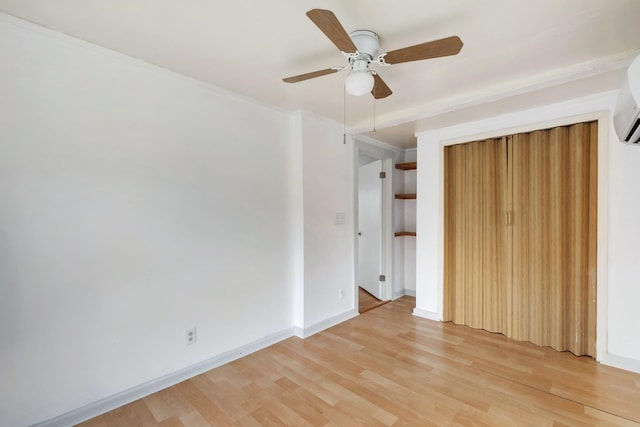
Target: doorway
373	244
370	228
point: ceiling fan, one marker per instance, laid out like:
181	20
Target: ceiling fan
361	49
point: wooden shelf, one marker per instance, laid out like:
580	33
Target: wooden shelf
407	166
411	196
406	196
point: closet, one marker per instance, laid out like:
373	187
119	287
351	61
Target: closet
520	236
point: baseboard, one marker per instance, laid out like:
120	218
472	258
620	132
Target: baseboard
115	401
403	292
625	363
325	324
426	314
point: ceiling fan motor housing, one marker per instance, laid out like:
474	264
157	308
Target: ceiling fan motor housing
367	43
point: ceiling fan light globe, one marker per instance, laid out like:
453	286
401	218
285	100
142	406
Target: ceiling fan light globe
358	83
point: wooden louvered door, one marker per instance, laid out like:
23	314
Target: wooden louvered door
454	245
496	298
474	214
529	220
573	194
520	236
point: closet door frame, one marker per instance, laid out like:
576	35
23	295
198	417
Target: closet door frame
430	283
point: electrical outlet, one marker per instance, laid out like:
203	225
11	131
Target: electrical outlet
191	336
340	293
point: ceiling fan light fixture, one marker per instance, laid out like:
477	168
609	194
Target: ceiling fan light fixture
360	80
358	83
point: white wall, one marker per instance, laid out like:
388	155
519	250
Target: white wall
624	266
618	342
136	204
429	245
328	265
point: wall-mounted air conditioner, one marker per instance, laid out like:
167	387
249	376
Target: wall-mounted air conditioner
626	118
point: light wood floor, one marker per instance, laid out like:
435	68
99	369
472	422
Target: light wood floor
389	368
367	302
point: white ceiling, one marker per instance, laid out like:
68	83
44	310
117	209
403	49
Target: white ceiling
548	49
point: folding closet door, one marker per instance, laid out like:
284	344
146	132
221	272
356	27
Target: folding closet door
494	269
559	249
473	203
474	241
455	243
520	236
518	220
573	218
529	220
539	211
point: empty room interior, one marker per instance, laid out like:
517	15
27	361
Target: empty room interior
407	213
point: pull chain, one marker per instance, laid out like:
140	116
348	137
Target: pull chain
344	114
374	113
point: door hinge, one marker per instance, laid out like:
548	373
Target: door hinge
382	278
383	175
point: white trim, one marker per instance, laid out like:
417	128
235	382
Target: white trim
380	144
620	362
553	115
137	392
593	107
403	292
386	255
427	314
325	324
602	247
508	89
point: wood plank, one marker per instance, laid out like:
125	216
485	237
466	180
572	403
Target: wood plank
473	201
577	264
458	235
448	297
405	233
493	208
392	368
367	302
407	166
519	223
507	235
406	196
558	241
538	238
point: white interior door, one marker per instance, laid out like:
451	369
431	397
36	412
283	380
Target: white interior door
370	227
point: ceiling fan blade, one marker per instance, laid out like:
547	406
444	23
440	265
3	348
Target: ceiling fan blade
331	27
433	49
380	88
307	76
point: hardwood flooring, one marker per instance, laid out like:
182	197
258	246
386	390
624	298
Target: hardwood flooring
367	302
389	368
